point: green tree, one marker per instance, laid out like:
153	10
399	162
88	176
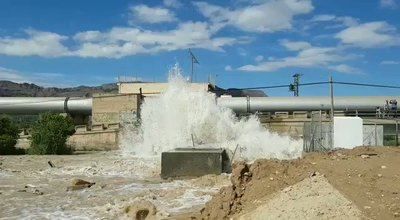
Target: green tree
8	137
50	133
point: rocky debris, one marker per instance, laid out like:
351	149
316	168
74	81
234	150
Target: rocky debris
78	184
364	156
141	210
31	189
50	164
37	192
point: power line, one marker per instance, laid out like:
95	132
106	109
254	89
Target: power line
320	83
368	85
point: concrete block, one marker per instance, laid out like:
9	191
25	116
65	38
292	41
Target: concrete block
300	114
192	162
98	127
80	128
114	126
281	114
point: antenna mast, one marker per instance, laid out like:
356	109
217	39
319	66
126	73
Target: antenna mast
194	60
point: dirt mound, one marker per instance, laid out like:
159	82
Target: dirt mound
312	198
368	177
250	182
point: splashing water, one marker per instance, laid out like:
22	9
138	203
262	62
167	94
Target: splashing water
169	121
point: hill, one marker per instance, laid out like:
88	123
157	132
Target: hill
12	89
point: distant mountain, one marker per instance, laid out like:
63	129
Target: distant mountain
12	89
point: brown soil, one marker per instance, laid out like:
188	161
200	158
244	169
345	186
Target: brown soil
368	177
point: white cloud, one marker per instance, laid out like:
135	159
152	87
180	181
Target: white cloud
340	21
370	35
343	68
10	75
269	16
119	42
295	45
228	68
259	58
172	3
37	43
307	57
390	62
145	14
323	17
42	79
388	4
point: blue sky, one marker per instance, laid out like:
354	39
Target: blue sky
245	43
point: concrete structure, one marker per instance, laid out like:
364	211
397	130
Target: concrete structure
151	89
109	108
347	132
94	140
190	162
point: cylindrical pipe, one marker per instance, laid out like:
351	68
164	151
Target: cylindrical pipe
36	105
274	104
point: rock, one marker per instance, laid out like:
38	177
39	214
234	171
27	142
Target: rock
141	210
379	175
287	189
30	186
383	167
367	207
364	156
78	184
37	192
396	214
238	173
50	164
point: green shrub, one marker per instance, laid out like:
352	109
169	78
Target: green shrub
50	133
8	137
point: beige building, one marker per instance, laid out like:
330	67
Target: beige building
150	89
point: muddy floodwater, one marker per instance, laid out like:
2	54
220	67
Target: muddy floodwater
31	189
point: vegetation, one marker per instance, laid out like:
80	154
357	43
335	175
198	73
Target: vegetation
8	137
50	133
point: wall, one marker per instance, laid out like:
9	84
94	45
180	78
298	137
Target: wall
81	141
94	140
107	109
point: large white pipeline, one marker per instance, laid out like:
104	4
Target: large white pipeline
36	105
76	105
273	104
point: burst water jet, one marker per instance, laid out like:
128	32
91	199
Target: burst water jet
169	120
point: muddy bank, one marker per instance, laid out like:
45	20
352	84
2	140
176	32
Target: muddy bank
367	179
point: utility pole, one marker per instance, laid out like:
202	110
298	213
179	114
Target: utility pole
332	101
294	87
332	111
194	60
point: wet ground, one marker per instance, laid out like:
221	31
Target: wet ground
31	189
